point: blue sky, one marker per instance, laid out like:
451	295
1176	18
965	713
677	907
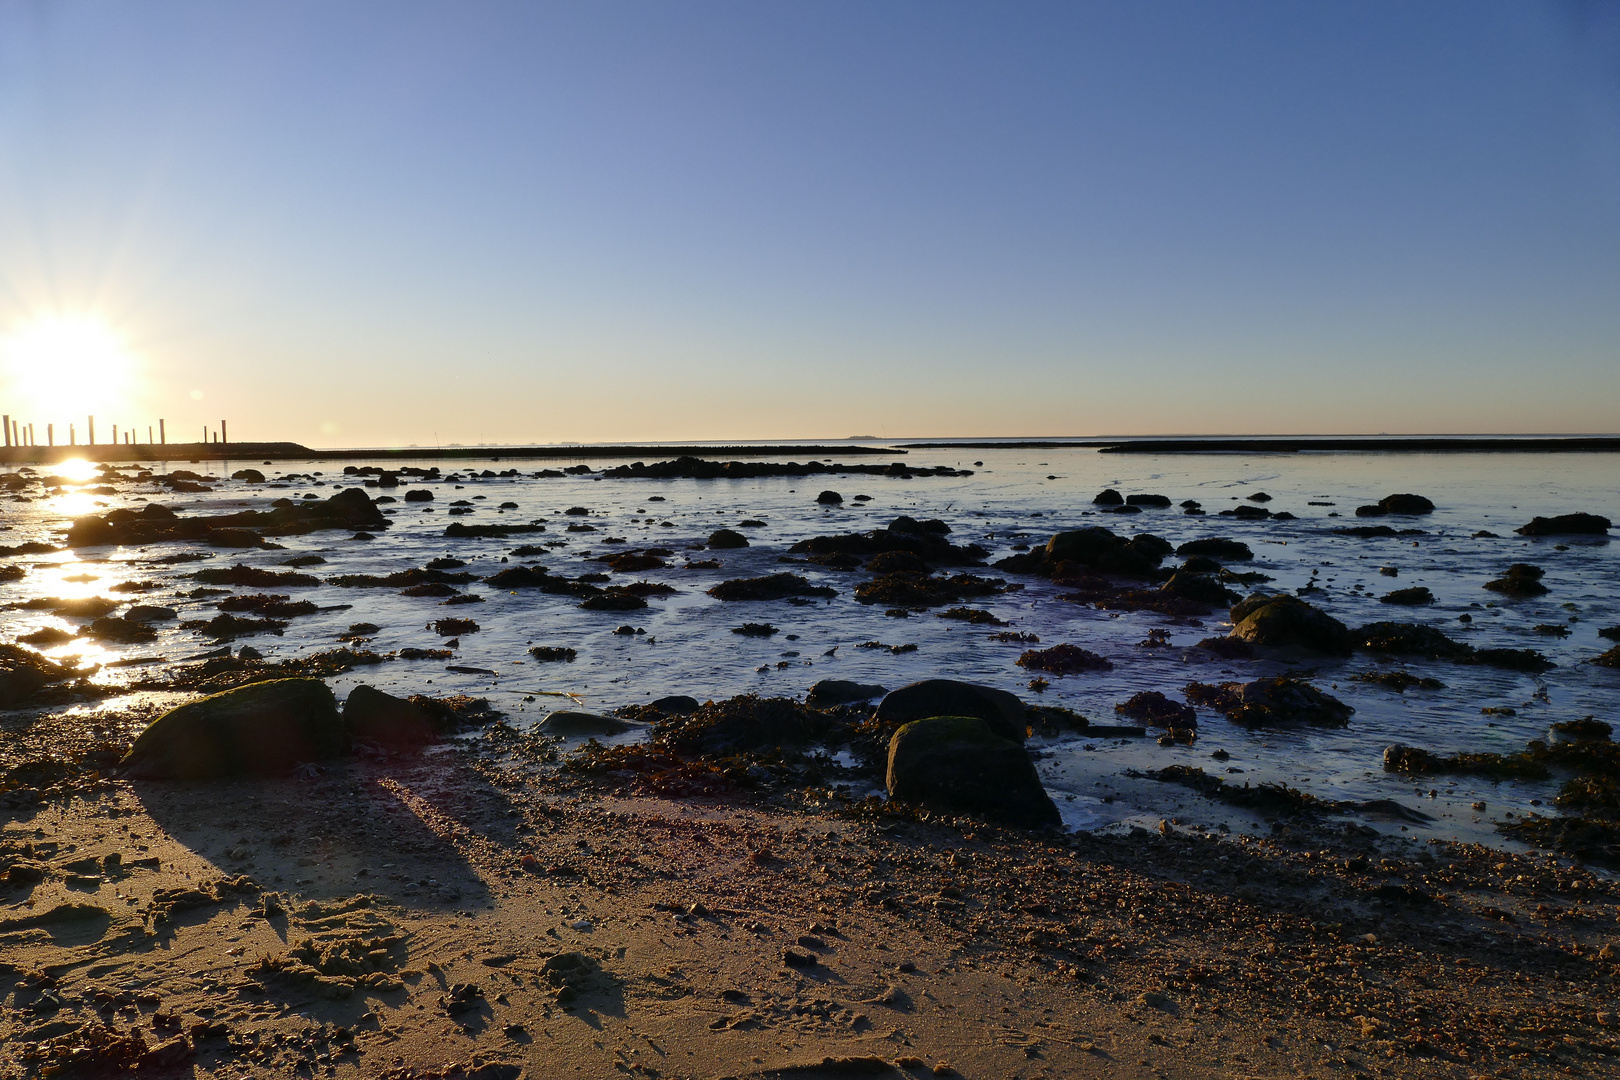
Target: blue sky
374	223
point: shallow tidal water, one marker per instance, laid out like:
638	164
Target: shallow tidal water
1015	497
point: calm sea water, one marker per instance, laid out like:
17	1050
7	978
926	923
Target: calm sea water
1015	496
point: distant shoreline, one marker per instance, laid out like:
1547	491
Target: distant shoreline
1302	444
285	451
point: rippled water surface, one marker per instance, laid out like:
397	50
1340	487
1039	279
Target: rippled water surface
1015	497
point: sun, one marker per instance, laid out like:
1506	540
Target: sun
61	367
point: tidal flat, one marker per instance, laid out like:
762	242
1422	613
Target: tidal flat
1332	782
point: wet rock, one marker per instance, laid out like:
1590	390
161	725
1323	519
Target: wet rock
1588	729
727	538
904	589
348	509
840	692
1610	659
1279	799
1410	639
696	468
958	764
746	723
1158	501
829	498
150	613
418	495
123	631
1416	596
924	539
1103	551
1285	621
1418	762
1198	587
573	724
677	705
769	587
553	654
1155	710
755	629
1520	582
1399	681
1002	711
1063	659
1217	547
1228	648
1281	701
1108	497
373	717
251	476
1566	525
262	729
23	673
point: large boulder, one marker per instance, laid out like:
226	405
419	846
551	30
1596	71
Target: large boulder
947	697
263	729
371	716
1397	504
1284	621
959	764
1280	701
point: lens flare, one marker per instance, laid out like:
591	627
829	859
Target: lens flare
65	366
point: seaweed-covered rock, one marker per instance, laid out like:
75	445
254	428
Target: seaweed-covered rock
371	716
924	539
1410	639
746	723
1098	549
1414	760
769	587
1281	701
908	589
1201	588
1216	547
1610	659
1286	621
958	764
1157	501
841	692
829	498
350	508
1155	710
23	673
1521	580
890	562
1003	711
263	729
1566	525
1064	659
727	538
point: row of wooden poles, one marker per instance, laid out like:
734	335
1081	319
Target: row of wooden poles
20	434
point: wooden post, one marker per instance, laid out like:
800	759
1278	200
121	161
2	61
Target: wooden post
224	433
163	436
50	434
91	430
8	430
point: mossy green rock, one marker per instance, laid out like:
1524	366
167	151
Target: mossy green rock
949	697
379	719
957	764
1286	621
263	729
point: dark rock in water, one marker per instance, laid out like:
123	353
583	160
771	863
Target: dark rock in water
1285	621
553	653
24	673
1526	660
1521	580
373	717
615	599
829	498
350	508
635	562
1282	701
262	729
1612	633
889	562
924	539
1199	587
1413	760
1410	639
1063	660
251	476
947	697
1095	549
958	764
1159	501
696	468
1588	729
727	538
1155	710
1566	525
1108	497
419	495
840	692
1413	597
1228	648
1129	508
1246	512
903	589
1259	497
755	629
1217	547
573	724
149	612
1372	532
1201	564
253	577
1406	504
769	587
125	631
677	705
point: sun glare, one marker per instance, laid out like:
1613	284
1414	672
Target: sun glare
65	366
